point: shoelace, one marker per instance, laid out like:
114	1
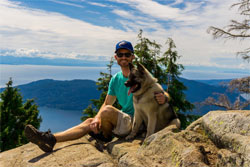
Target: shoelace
46	133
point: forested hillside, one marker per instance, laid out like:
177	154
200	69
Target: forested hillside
76	94
68	95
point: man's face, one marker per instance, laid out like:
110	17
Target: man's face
124	57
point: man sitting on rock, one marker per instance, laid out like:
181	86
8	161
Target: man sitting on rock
109	119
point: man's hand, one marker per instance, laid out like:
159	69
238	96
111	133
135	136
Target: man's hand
95	125
160	97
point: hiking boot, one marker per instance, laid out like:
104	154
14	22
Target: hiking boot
44	140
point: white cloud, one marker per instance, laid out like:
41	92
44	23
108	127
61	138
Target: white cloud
67	3
22	27
123	13
193	42
98	4
38	31
157	10
177	2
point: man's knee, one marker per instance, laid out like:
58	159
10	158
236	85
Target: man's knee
89	120
107	110
109	115
86	122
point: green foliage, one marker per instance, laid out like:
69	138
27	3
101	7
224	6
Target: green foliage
174	87
14	116
103	84
147	53
89	112
168	61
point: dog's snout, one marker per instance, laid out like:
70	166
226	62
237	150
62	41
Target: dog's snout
127	84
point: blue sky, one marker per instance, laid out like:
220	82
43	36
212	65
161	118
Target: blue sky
87	30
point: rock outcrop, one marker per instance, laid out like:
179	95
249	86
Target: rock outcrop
218	139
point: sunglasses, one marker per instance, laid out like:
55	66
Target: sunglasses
120	55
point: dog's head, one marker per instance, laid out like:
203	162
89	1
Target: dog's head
136	78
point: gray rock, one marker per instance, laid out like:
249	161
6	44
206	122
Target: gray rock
73	153
218	139
230	130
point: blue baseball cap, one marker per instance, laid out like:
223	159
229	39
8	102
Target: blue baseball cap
124	45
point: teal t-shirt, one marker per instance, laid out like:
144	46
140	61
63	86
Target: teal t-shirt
118	89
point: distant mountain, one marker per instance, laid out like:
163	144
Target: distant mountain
68	95
76	94
214	82
198	92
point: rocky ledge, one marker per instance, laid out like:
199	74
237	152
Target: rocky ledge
218	139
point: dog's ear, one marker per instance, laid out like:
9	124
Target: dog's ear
140	68
131	66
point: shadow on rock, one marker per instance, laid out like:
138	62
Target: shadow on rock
38	158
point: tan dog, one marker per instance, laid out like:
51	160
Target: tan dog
156	116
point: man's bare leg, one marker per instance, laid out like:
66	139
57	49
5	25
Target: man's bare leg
46	140
75	132
108	114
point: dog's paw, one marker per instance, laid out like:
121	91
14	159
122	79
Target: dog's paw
129	137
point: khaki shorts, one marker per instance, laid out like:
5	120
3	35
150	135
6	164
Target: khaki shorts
124	124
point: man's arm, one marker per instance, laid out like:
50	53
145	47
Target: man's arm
109	100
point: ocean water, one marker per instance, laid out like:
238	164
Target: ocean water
58	120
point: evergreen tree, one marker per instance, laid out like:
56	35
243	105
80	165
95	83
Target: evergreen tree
14	116
174	87
103	84
147	53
